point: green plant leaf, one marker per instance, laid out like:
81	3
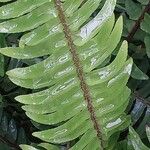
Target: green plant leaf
138	74
148	132
146	23
27	147
4	124
43	146
5	0
136	141
144	2
21	139
147	44
135	11
2	44
63	102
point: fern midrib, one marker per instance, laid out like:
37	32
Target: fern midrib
79	70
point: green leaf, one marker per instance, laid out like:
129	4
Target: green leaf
124	145
1	108
1	65
148	132
49	146
21	139
19	8
5	0
43	146
146	23
61	99
136	141
138	74
137	111
27	147
147	44
4	124
2	44
144	2
144	122
134	12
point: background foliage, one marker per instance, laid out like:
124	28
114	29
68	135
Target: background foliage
16	128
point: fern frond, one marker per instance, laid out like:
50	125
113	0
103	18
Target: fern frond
84	101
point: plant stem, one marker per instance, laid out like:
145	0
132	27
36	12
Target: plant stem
137	23
80	73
